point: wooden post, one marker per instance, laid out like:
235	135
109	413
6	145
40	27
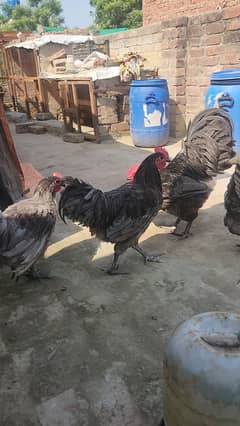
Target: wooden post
94	111
76	105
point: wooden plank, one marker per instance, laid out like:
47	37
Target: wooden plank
76	105
94	111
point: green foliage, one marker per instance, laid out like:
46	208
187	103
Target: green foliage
117	13
27	17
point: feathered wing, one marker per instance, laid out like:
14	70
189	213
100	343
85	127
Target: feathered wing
25	229
232	203
114	215
210	140
185	187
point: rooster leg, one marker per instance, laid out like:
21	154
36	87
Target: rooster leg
118	250
147	258
177	222
114	266
176	225
186	232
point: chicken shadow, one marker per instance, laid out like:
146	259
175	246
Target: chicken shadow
208	233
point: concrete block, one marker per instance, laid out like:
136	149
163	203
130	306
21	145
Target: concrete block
123	126
23	127
44	116
104	130
73	137
16	117
36	129
54	127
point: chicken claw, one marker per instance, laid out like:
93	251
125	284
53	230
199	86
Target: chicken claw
36	274
153	258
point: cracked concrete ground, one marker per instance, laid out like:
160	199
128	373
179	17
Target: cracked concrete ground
84	348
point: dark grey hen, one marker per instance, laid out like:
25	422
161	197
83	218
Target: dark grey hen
26	226
232	203
119	216
188	180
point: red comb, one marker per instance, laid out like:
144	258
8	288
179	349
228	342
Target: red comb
57	175
162	150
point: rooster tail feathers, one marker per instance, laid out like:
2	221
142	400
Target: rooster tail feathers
210	138
80	202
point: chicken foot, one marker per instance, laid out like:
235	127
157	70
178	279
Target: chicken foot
113	270
34	273
147	257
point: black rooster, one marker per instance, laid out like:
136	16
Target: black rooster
119	216
26	226
232	203
188	180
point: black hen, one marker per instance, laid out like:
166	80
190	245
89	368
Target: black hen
26	226
188	180
119	216
232	203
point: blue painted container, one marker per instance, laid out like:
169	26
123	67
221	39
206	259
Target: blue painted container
13	3
202	372
149	112
224	92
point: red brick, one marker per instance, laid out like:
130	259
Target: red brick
180	53
213	39
194	31
180	72
231	12
214	50
210	60
196	52
193	90
180	81
180	63
195	41
230	59
180	90
233	24
232	36
215	28
181	100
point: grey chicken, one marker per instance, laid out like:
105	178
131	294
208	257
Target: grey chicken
26	226
188	180
232	203
119	216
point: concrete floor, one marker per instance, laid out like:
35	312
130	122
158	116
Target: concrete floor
84	348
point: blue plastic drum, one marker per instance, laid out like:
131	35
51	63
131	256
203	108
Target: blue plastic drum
149	112
224	93
13	3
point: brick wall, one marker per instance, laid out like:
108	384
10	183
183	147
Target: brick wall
213	44
160	10
186	51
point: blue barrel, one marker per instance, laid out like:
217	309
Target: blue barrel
13	3
149	112
224	92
